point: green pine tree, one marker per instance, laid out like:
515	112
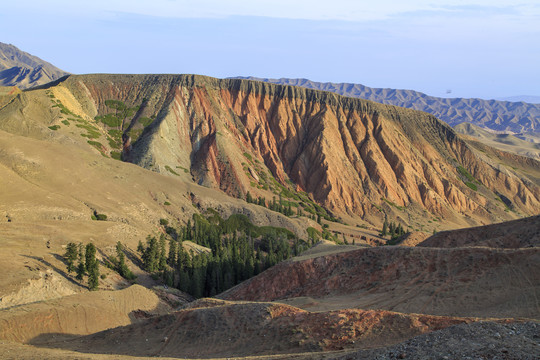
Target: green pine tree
188	231
81	268
151	255
384	231
184	282
173	251
71	256
140	248
162	260
392	228
121	266
90	257
93	276
92	266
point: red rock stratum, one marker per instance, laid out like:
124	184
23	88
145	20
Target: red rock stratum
479	282
352	156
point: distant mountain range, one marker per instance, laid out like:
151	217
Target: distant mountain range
525	98
18	68
516	117
513	114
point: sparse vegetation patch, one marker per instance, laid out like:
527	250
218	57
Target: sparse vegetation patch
118	263
99	217
401	208
463	172
183	168
145	121
117	155
92	131
169	169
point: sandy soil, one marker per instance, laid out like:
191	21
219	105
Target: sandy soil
79	314
414	238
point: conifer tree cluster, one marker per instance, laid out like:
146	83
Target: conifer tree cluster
239	250
87	263
281	207
118	263
72	254
390	228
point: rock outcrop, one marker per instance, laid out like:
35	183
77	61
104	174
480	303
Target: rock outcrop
498	115
354	157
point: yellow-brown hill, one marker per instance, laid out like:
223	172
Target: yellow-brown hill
79	314
237	329
356	158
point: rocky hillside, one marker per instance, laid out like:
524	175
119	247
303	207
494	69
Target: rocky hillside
219	329
355	158
18	68
437	281
480	340
517	117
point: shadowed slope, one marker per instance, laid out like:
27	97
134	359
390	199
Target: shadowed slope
453	282
223	329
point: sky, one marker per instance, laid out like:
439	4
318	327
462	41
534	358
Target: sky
447	48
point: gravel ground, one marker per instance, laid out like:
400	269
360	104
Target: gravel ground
482	340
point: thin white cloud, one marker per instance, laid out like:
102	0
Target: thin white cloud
348	10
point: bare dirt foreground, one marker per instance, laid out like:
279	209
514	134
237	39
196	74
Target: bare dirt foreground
228	329
331	324
79	314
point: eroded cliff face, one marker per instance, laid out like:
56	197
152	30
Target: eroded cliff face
352	156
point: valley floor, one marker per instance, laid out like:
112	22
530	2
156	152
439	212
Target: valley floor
328	321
